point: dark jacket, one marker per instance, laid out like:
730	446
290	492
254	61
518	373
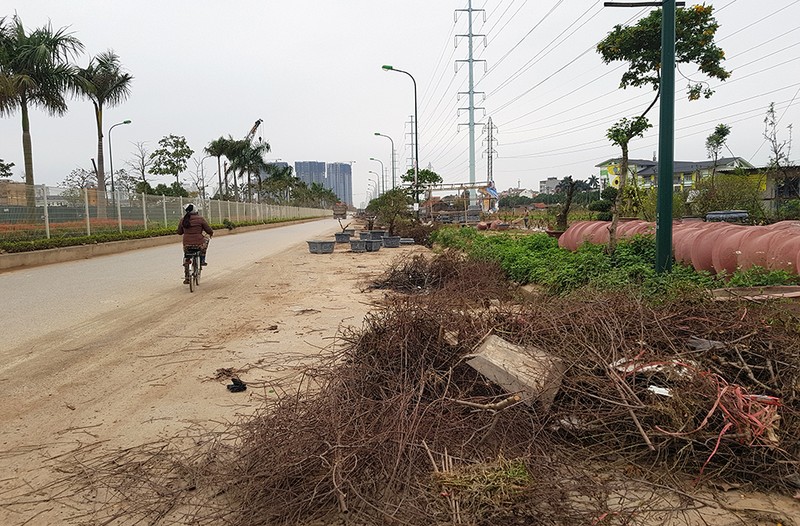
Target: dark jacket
194	234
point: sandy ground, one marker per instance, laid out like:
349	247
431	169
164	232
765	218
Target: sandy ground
127	378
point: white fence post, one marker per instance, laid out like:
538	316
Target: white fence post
144	210
119	211
86	209
164	206
46	212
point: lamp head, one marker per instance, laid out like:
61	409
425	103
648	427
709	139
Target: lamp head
387	67
126	122
376	133
372	159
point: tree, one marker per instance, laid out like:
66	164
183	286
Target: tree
173	190
620	134
425	177
104	83
35	72
568	187
779	160
249	158
218	148
171	156
80	178
640	46
5	169
714	144
279	184
141	162
390	206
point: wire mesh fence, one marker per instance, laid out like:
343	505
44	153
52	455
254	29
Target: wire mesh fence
35	212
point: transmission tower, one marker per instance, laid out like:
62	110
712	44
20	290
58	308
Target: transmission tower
470	60
410	123
490	151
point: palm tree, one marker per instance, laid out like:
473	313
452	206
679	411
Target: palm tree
218	148
249	158
34	72
104	83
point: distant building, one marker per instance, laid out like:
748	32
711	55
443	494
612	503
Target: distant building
548	186
684	173
310	172
340	180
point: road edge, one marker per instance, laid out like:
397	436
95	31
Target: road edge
37	258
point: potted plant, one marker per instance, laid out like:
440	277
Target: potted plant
344	235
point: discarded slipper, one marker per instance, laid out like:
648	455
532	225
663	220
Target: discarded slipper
237	386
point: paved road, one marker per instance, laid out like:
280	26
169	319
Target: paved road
41	300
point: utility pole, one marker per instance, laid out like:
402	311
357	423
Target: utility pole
471	87
490	151
666	129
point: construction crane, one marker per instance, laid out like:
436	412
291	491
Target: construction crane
252	131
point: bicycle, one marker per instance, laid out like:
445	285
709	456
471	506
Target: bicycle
191	258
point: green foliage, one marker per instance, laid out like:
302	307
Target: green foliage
104	237
537	259
728	192
625	129
514	201
640	46
789	209
5	169
716	140
171	156
761	277
31	245
389	207
173	190
35	72
649	204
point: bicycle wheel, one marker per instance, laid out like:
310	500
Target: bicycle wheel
192	275
197	269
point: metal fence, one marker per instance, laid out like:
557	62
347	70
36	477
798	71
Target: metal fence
35	212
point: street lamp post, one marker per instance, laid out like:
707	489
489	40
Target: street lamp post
110	156
377	184
416	134
383	171
394	180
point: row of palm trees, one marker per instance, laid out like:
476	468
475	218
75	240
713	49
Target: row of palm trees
36	71
268	182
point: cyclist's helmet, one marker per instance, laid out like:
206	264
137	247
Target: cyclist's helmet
190	208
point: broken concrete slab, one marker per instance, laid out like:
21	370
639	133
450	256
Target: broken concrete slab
530	372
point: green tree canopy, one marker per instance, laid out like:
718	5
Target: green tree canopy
5	168
640	46
105	84
390	206
170	157
34	72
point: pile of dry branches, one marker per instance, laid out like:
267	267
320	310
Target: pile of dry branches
389	430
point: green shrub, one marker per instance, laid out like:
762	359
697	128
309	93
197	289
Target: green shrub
536	258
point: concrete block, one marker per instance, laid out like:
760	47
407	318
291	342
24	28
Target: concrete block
530	372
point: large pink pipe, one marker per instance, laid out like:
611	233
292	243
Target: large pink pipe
715	247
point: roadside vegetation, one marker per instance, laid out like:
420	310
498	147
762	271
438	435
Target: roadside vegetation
15	244
537	259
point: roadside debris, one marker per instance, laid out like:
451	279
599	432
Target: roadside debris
237	386
529	372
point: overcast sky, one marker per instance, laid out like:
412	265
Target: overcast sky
312	71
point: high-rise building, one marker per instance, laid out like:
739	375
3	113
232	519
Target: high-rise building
340	180
310	172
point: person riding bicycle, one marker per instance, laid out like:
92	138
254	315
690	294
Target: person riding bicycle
192	226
